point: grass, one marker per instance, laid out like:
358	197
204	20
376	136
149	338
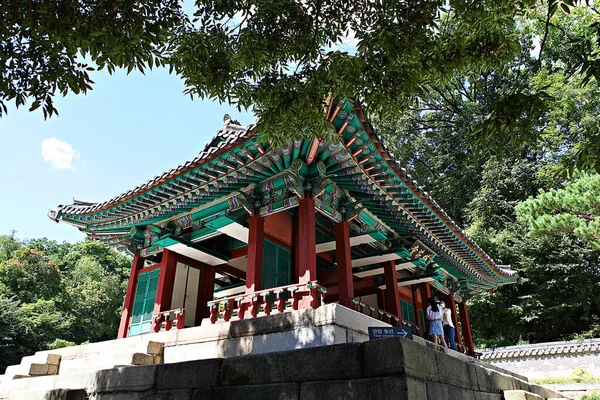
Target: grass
578	375
568	379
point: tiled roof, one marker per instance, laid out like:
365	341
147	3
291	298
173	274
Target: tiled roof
226	137
542	350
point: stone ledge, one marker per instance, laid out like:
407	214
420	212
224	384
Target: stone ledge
328	362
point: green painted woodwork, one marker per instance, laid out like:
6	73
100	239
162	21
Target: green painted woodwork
408	312
276	265
143	303
423	322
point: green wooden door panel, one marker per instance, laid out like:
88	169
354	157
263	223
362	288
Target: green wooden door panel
408	313
143	304
276	266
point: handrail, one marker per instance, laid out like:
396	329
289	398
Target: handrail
166	319
381	314
267	301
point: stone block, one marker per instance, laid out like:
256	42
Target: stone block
38	369
205	350
394	356
288	321
453	371
184	394
298	338
485	379
416	389
53	369
202	394
203	333
353	336
79	380
50	395
275	391
154	348
436	390
335	314
357	389
136	378
191	374
142	359
53	359
319	363
520	395
543	391
487	396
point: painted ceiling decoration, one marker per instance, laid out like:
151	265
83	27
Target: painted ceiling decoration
349	173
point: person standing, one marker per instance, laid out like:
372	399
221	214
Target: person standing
449	328
435	315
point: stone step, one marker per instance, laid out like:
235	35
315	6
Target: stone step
520	395
95	362
127	345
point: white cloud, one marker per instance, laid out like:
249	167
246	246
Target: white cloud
58	153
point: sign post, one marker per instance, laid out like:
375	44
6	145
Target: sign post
388	332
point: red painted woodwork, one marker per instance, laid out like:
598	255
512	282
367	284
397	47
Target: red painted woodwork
392	298
291	297
344	263
307	253
279	226
295	249
205	293
169	318
256	238
451	304
229	270
238	253
415	303
425	295
166	281
136	265
381	299
466	327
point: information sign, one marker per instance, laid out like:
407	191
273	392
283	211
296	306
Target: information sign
392	331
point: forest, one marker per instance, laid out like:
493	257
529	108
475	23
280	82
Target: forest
492	106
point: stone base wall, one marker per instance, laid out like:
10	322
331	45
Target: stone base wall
380	369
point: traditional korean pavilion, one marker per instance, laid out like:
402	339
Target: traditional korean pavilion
247	229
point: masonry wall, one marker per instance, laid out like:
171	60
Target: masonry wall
381	369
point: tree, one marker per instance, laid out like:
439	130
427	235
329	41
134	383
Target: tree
30	275
45	46
575	209
555	302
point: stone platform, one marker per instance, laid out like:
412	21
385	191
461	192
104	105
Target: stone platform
297	355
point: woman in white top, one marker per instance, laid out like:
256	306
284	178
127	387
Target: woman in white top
435	314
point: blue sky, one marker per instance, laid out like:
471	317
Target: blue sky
121	134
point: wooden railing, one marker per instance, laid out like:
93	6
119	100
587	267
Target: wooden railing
167	319
267	302
381	315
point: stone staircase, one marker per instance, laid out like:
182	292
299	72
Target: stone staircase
82	360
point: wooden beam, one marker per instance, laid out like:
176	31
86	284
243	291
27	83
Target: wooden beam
166	281
307	255
344	263
136	265
256	238
392	298
466	327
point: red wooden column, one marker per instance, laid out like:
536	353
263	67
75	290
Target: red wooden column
425	295
392	297
136	265
205	292
256	238
451	304
295	248
466	326
420	324
344	263
307	240
166	281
